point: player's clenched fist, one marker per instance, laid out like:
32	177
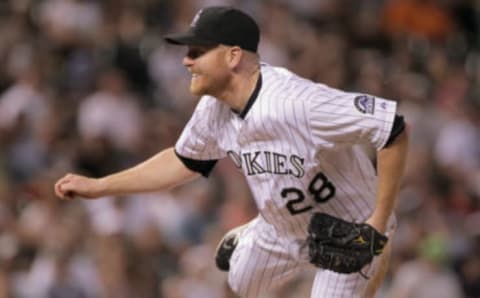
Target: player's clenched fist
71	186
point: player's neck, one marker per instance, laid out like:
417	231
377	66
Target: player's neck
240	89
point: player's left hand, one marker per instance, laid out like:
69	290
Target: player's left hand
342	246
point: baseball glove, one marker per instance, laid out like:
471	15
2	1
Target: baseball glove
342	246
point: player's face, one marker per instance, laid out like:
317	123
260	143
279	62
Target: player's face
208	68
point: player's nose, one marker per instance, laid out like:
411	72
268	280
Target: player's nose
187	61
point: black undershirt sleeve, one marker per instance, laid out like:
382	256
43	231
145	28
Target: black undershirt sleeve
398	127
203	167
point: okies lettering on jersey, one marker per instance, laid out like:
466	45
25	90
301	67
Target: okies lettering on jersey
263	162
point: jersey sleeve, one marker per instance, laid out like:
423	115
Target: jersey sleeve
345	119
198	140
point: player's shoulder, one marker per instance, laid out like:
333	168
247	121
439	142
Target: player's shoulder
287	84
276	74
282	85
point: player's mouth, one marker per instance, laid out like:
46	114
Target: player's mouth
193	74
195	77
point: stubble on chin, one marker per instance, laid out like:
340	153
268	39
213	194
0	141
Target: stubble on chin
196	91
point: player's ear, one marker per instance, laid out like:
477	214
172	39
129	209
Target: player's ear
234	56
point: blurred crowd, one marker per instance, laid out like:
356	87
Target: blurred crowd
88	86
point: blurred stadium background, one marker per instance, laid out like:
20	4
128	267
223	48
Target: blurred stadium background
88	86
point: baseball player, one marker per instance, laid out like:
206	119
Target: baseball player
296	143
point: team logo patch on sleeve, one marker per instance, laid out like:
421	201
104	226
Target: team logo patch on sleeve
365	104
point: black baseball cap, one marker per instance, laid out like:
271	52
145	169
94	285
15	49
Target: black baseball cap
220	25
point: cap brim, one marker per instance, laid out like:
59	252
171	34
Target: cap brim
187	38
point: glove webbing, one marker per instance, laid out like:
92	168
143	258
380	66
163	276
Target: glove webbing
351	237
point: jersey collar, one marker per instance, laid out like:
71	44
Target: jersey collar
252	98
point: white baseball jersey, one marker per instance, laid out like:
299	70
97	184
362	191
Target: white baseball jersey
294	143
